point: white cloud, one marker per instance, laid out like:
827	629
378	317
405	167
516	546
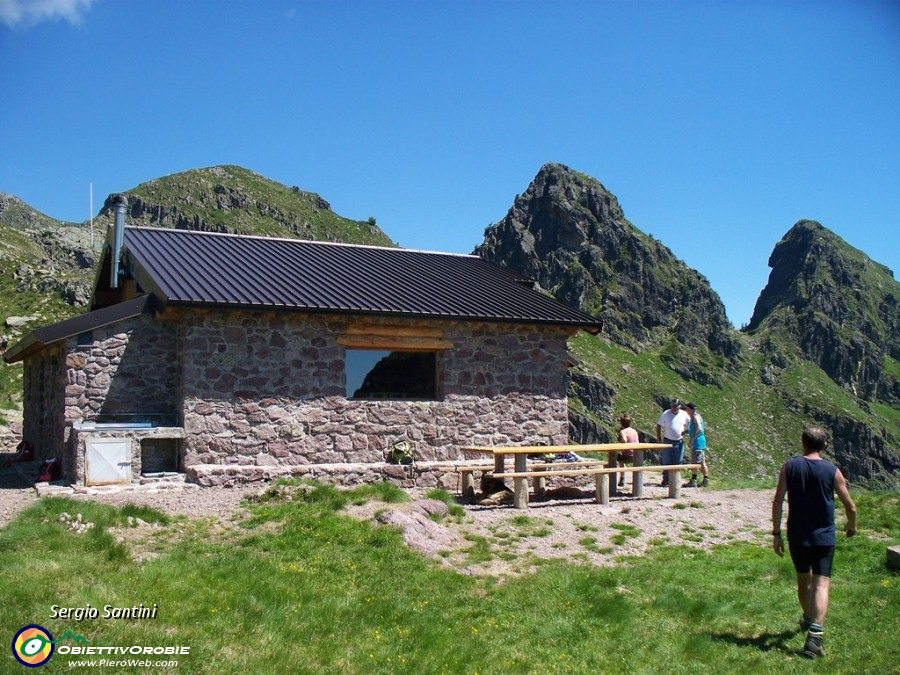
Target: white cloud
30	12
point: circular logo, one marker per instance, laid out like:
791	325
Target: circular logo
33	646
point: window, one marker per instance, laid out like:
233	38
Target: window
380	374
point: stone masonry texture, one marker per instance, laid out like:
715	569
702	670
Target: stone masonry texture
267	390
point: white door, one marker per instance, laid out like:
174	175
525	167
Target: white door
107	462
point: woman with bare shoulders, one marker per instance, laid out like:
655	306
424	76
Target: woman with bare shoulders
627	434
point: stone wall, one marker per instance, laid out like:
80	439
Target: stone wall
418	475
126	373
267	389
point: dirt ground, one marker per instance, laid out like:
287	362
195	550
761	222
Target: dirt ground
584	532
578	530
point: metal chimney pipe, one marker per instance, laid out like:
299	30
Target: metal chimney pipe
120	203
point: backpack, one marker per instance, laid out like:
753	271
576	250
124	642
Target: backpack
51	469
400	452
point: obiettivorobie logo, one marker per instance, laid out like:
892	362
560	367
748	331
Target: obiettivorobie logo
33	645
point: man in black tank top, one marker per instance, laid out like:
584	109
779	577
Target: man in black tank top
810	483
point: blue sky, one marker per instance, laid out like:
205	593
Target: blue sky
717	125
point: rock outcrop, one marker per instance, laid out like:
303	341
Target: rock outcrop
840	308
569	234
47	263
862	452
595	395
825	303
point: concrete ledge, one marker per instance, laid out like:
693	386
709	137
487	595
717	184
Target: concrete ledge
420	474
443	474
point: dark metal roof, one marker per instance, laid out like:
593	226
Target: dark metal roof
183	267
41	337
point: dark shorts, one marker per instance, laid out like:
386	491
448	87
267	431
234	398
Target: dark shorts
815	559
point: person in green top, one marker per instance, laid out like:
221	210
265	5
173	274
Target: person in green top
697	444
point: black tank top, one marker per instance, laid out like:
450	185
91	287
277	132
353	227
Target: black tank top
810	489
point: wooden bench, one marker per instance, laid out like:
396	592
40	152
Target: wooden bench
521	473
602	485
467	473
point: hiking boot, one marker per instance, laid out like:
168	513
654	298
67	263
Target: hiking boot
705	482
691	483
622	483
814	647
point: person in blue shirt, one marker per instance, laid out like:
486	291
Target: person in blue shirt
810	482
697	444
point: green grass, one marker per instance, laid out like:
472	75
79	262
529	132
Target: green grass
624	532
301	588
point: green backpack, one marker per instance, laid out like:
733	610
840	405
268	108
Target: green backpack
401	452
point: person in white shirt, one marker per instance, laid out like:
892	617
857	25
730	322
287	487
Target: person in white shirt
670	428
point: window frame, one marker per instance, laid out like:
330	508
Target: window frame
394	339
387	395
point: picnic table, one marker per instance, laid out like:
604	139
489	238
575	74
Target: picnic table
604	486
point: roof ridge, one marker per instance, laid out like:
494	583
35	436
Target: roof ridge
317	242
181	267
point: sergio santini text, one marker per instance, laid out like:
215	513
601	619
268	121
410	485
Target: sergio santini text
79	614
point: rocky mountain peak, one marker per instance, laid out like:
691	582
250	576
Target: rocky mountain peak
838	306
569	234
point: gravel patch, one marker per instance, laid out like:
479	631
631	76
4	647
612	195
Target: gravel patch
512	541
184	499
581	531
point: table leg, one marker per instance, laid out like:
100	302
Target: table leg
674	484
468	486
637	483
602	489
520	485
612	463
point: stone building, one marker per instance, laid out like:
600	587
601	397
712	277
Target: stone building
235	358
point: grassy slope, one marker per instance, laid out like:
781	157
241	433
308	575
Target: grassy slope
16	300
751	427
300	588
